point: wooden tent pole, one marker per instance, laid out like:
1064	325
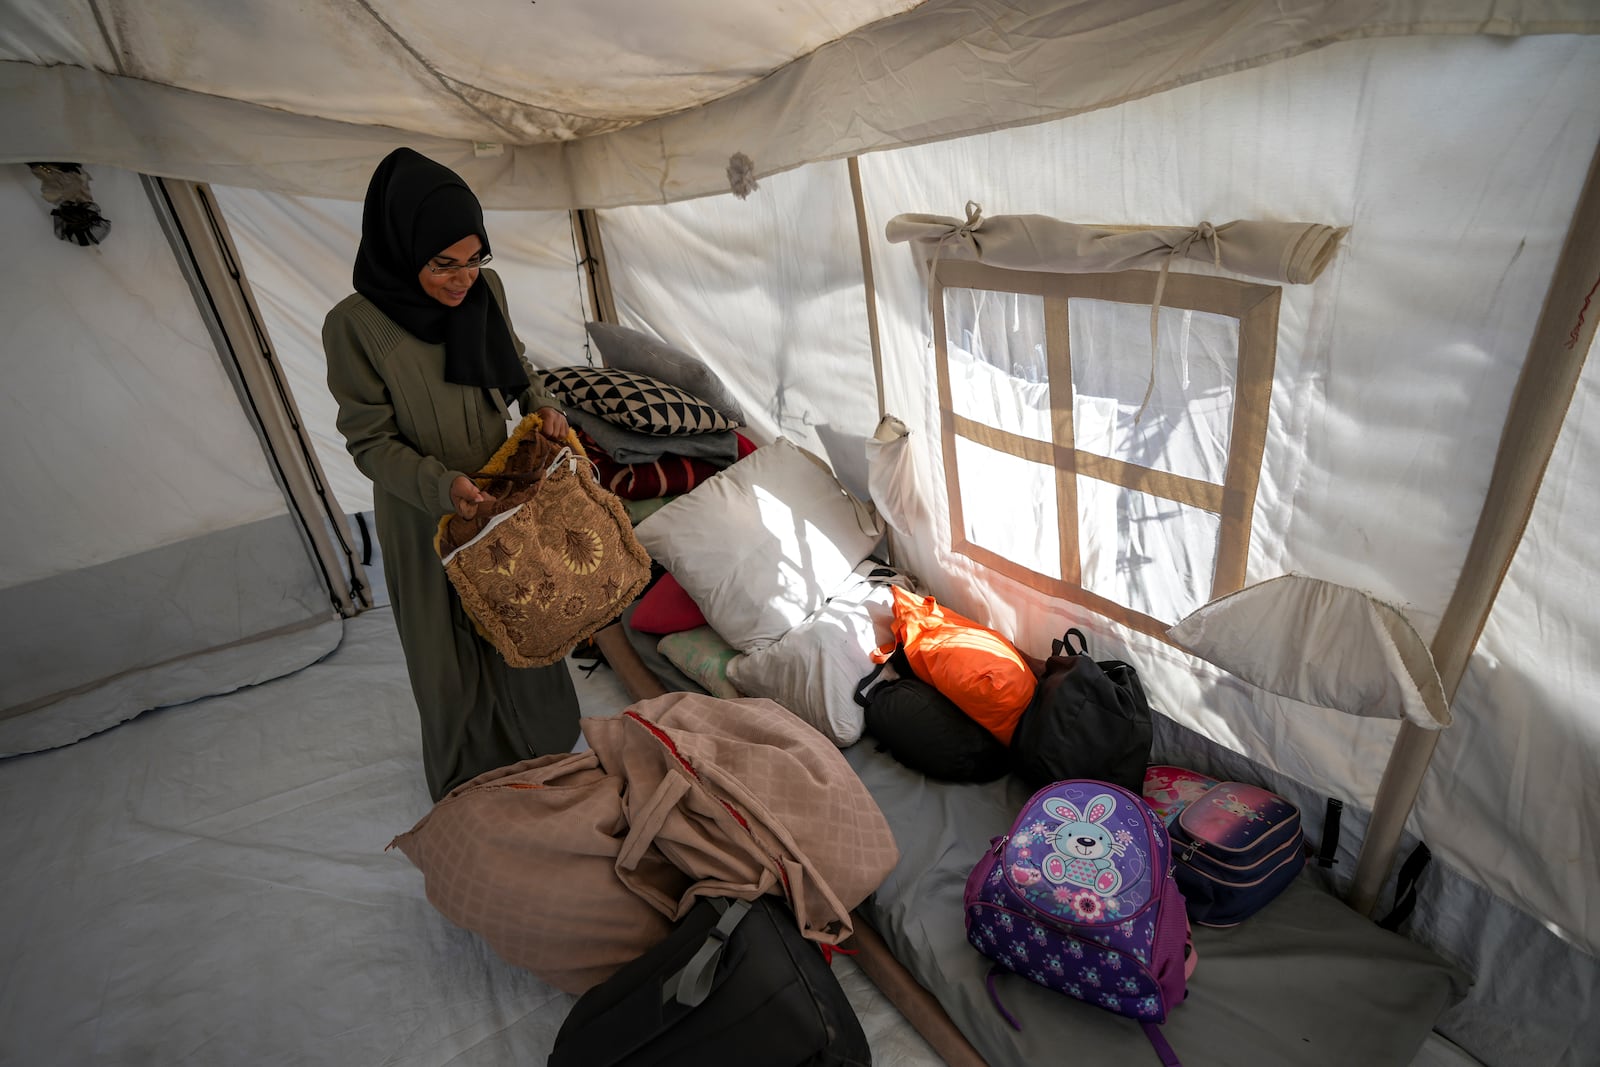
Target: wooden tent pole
592	257
1561	342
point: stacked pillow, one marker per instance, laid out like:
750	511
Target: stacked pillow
762	545
656	422
634	401
772	591
655	419
752	555
631	350
813	670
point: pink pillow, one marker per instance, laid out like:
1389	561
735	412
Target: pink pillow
666	609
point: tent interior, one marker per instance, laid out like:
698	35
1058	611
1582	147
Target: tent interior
1047	238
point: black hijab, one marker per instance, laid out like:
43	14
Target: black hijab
415	209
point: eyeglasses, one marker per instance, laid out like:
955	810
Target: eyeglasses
453	268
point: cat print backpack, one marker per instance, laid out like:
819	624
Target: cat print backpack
1079	897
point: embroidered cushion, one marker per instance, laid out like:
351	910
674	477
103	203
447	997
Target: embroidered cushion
634	400
553	563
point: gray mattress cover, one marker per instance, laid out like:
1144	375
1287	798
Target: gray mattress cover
1304	981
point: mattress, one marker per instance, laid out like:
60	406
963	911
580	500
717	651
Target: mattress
1306	981
208	885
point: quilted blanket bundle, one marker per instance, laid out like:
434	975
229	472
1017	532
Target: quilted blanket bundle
572	865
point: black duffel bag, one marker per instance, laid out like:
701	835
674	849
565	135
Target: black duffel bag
734	984
1087	719
923	728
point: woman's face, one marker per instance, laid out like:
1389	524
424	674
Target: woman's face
449	287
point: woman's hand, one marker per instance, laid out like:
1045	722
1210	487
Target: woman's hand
467	497
552	424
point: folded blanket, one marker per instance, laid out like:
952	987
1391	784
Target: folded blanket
630	446
668	475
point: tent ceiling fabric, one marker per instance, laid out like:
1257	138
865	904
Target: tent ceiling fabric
491	70
203	90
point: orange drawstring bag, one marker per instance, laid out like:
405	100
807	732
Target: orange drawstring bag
980	671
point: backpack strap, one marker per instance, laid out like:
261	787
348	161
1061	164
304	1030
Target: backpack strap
994	995
1405	893
1327	854
1065	642
866	683
691	984
887	656
1169	1058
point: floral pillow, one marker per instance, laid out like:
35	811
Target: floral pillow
636	401
703	655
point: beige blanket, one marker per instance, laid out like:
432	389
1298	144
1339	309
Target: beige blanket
573	865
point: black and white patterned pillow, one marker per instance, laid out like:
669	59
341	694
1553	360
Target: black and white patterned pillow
634	400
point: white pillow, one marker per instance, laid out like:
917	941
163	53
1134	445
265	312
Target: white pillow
814	670
760	545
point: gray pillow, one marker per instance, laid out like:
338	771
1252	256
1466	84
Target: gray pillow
631	446
628	349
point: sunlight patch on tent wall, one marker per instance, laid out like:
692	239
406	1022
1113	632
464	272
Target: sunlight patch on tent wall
1008	506
1186	427
1151	555
1087	464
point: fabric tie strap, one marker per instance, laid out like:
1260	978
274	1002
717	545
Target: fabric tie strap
965	233
1206	233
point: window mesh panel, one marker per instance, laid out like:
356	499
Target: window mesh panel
1151	555
1185	428
1008	506
996	349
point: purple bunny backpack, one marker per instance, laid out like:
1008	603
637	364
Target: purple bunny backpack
1079	897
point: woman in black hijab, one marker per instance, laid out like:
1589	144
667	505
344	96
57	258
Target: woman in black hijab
423	362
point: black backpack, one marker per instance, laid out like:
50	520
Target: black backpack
734	985
1087	719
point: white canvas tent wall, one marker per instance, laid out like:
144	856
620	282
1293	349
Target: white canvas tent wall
1452	138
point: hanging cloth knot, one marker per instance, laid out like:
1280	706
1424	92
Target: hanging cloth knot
974	220
964	232
1205	232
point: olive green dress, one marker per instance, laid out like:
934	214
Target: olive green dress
412	433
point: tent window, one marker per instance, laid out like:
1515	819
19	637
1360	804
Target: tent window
1054	482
